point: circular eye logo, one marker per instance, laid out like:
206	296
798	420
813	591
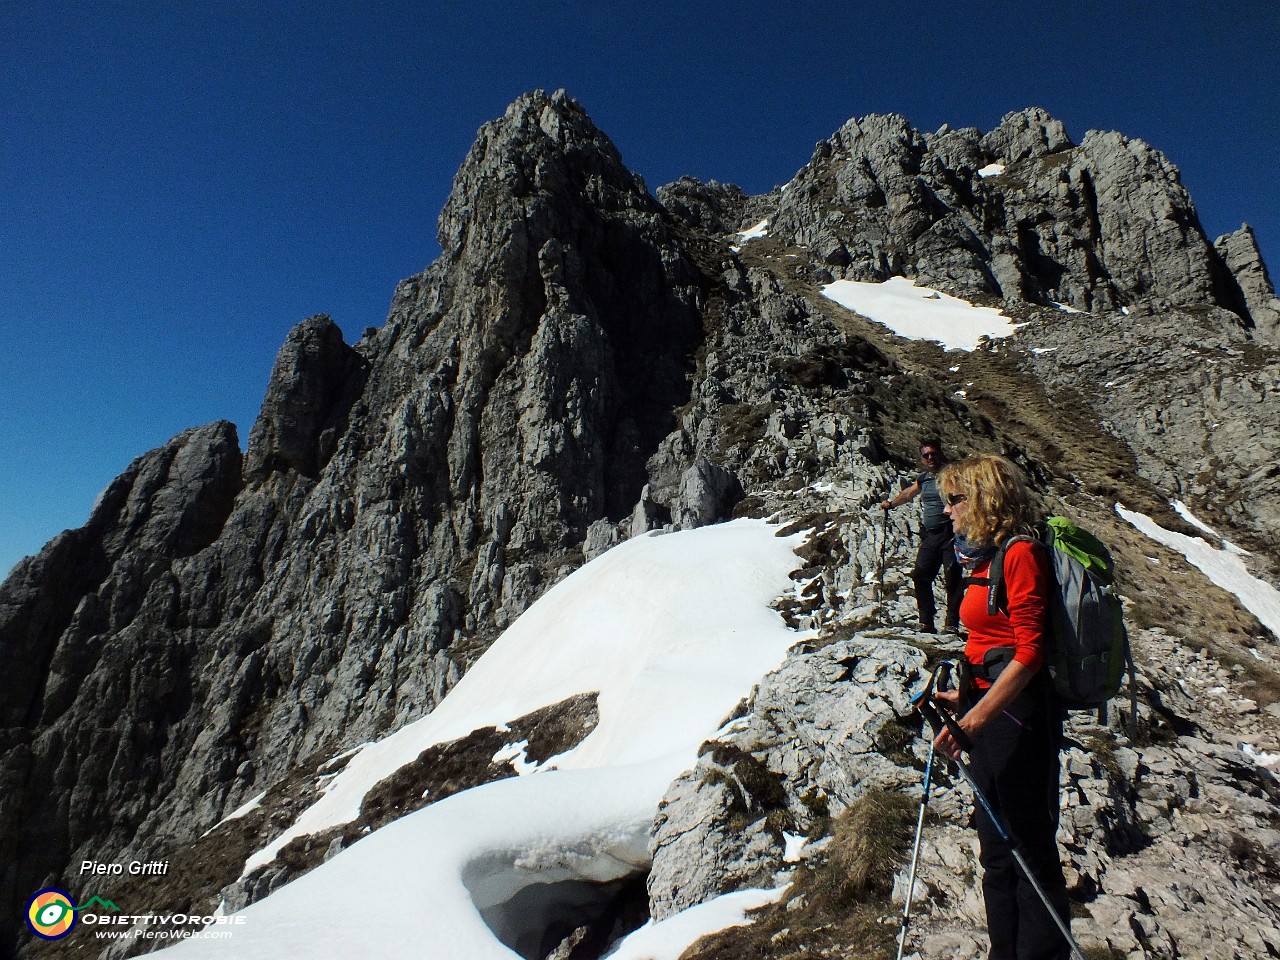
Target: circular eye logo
51	914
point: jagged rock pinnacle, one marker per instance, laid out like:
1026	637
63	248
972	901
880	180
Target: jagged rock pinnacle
315	380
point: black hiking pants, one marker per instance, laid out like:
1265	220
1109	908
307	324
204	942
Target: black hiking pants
936	551
1015	763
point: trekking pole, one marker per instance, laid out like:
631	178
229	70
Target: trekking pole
940	676
884	539
915	855
937	720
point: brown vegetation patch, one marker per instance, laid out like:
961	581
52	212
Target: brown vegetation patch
437	773
449	768
839	900
743	424
823	550
832	366
755	791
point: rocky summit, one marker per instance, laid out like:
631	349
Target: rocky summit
588	361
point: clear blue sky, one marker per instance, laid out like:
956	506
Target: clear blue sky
181	182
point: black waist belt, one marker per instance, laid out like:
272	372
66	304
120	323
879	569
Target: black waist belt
993	663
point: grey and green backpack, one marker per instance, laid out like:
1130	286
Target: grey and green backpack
1089	652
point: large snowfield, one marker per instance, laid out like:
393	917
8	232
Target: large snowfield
671	631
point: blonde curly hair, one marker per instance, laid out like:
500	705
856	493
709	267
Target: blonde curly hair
997	503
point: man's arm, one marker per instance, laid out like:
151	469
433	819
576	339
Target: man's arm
907	494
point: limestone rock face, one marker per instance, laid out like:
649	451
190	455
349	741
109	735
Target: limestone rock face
708	493
316	379
168	505
1026	135
1239	252
813	730
1147	226
1196	399
1021	213
402	501
91	696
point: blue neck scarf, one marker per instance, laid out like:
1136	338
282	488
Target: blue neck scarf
973	554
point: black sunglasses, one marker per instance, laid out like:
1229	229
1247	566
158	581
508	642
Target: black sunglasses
954	498
930	455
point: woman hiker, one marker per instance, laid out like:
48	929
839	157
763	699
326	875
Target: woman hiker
1014	723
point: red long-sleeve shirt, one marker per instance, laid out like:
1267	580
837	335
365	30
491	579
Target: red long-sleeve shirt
1027	579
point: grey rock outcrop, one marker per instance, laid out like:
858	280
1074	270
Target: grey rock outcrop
316	379
711	206
812	731
1239	252
89	582
1021	213
1194	397
708	492
90	698
1026	135
1147	226
1146	848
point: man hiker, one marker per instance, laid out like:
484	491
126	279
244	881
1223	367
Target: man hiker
936	543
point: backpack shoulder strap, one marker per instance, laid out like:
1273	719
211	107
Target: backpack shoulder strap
996	598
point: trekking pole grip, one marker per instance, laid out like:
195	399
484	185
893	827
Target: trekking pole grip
940	720
957	733
937	718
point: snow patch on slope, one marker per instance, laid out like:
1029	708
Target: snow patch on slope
668	939
1224	566
919	313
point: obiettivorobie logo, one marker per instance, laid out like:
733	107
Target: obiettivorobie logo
51	914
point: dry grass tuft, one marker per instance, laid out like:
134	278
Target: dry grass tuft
838	904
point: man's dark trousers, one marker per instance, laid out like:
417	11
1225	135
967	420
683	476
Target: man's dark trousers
937	550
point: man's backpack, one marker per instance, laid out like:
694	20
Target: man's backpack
1089	650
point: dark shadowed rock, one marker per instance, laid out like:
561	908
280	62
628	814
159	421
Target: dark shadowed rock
91	693
315	380
714	207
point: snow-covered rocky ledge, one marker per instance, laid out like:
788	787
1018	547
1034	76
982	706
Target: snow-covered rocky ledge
670	630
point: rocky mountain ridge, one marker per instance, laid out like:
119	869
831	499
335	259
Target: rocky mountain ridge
587	362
